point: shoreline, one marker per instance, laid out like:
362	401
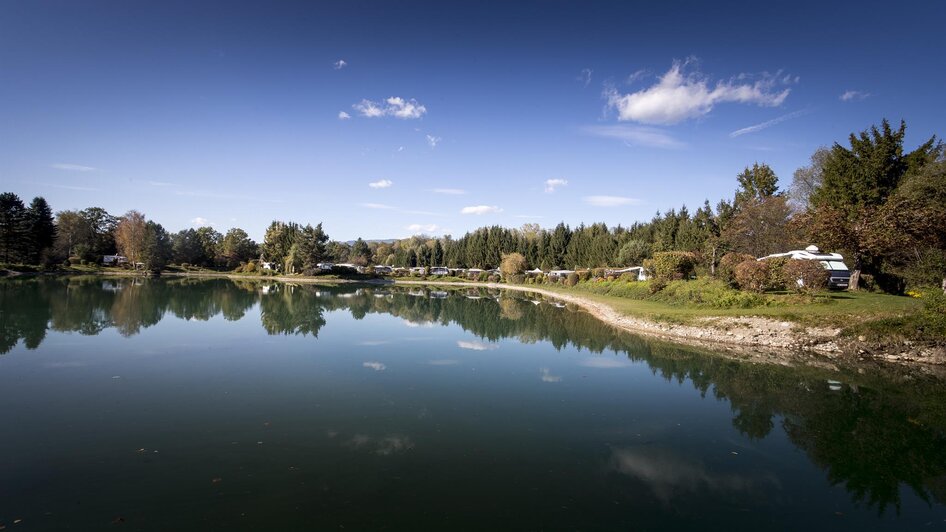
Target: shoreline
752	338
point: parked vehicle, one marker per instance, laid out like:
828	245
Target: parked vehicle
840	274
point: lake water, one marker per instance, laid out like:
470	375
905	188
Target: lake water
224	405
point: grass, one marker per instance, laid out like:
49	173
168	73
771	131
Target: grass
835	309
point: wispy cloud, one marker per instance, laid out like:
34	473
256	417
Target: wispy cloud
432	141
477	346
377	206
634	77
766	124
848	96
340	64
382	183
449	191
163	184
394	106
200	221
217	195
552	184
71	187
635	135
480	209
679	95
377	366
610	201
384	207
342	115
72	167
585	76
423	228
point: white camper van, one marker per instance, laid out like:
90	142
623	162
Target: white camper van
840	275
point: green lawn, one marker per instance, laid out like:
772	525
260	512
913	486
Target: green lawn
829	308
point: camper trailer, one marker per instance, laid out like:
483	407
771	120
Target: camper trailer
840	275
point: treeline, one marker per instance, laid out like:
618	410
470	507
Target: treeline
880	205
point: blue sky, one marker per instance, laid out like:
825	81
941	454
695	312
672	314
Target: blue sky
460	114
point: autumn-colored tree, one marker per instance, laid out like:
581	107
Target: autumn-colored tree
131	236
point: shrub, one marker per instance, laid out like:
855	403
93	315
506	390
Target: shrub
805	275
628	277
598	273
494	278
250	267
777	276
66	263
516	278
584	275
572	279
726	271
673	264
483	277
657	284
752	275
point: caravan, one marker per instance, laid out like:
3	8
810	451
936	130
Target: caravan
840	275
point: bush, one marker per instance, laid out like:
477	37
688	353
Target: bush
66	263
628	277
512	264
777	277
494	278
584	275
571	279
672	264
516	278
726	271
752	275
805	275
656	285
598	273
483	277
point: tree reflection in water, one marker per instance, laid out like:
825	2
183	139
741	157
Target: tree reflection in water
875	434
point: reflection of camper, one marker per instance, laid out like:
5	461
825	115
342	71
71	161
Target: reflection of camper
840	275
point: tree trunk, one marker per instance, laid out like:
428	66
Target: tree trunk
855	280
944	286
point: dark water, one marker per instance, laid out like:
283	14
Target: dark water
219	405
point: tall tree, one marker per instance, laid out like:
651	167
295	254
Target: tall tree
807	179
131	237
756	183
236	247
856	182
41	228
13	229
312	246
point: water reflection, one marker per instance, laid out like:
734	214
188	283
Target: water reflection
871	433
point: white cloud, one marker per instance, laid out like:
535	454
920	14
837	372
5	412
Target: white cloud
635	135
200	221
450	191
342	115
678	96
423	228
766	124
610	201
340	64
394	106
854	95
72	167
477	346
377	366
635	76
480	209
377	206
383	183
585	76
368	109
552	184
433	141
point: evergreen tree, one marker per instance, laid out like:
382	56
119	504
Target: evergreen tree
41	228
13	229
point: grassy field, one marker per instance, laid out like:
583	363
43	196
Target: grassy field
836	309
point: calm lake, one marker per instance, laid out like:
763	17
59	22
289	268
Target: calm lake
218	405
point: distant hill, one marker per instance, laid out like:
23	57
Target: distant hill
384	241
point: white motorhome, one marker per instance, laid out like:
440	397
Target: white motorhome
840	274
